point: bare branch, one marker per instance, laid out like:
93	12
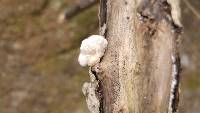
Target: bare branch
194	11
76	9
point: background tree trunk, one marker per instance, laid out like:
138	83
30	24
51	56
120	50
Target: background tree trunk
139	72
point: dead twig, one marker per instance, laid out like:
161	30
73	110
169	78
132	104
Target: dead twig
76	9
194	11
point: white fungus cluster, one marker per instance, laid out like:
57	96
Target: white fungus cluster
91	50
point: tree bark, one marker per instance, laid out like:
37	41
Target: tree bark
140	70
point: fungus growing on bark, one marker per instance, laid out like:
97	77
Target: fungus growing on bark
91	50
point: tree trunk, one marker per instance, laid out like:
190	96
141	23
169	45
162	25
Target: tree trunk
140	70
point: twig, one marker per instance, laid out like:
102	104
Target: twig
194	11
76	9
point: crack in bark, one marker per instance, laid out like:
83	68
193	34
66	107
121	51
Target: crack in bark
100	96
103	17
103	31
103	12
175	91
99	90
178	30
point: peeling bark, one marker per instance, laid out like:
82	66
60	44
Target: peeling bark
135	73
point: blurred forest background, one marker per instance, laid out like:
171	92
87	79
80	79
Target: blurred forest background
39	72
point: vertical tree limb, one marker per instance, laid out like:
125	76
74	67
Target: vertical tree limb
137	72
